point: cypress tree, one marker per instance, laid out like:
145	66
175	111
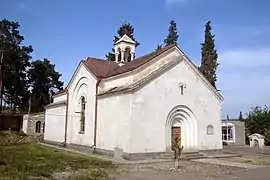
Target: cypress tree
127	29
209	55
172	37
240	116
159	46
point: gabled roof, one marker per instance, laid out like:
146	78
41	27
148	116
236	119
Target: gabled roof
127	39
103	68
99	67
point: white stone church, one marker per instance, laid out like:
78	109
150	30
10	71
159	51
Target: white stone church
137	104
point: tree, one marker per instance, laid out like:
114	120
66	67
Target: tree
177	151
127	29
172	37
209	55
159	46
44	82
240	117
14	62
258	121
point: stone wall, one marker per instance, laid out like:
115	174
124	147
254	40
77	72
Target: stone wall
31	124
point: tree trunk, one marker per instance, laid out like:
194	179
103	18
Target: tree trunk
1	80
176	164
29	104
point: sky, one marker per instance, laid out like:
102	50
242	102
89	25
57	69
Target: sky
69	31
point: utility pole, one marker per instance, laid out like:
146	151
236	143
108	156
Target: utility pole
227	119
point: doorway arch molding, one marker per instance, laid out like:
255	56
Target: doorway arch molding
184	116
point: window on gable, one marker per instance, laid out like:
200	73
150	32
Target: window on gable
210	130
82	126
38	127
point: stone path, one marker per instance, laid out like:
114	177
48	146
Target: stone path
107	158
123	161
228	163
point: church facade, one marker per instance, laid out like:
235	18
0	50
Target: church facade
137	104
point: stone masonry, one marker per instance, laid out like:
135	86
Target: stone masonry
34	124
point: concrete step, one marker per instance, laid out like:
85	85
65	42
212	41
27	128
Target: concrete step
193	155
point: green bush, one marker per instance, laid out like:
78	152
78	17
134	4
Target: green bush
258	121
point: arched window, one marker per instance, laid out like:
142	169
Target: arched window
119	55
210	130
38	127
127	55
82	127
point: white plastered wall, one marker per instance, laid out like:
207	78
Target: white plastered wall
83	84
113	126
55	124
152	104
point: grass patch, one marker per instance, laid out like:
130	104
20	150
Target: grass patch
19	161
8	138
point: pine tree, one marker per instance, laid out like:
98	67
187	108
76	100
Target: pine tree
14	62
159	46
240	116
172	37
127	29
44	82
209	55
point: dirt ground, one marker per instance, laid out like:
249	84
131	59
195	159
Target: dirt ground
189	170
150	174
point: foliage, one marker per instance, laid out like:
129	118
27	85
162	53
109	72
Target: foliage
159	46
17	79
209	55
14	64
172	37
44	81
127	29
258	121
177	149
22	161
240	118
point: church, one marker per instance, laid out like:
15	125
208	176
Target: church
137	105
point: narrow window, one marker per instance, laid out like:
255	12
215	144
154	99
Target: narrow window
82	115
38	127
210	130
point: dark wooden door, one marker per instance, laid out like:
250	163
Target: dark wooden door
176	133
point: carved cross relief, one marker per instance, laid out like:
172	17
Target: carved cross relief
182	87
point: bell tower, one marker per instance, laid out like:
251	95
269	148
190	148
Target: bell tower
124	49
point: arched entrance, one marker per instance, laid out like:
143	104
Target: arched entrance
181	122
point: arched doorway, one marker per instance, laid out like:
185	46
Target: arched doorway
181	122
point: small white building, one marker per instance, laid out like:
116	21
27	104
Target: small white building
233	132
137	105
256	140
